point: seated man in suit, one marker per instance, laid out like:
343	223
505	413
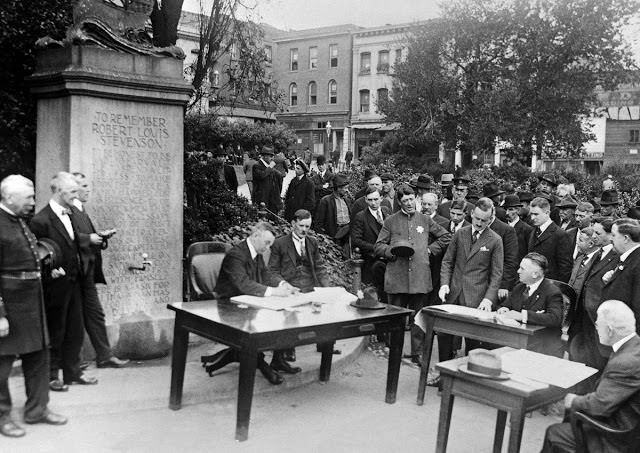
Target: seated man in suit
535	300
616	399
243	271
296	259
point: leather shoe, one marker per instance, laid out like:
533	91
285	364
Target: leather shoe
49	418
10	429
82	380
269	373
221	359
112	362
289	355
279	364
56	385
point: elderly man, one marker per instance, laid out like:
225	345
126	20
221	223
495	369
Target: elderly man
267	181
407	279
244	271
22	319
550	240
567	212
300	193
616	399
535	300
63	295
430	206
92	312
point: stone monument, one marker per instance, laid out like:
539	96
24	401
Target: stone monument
117	116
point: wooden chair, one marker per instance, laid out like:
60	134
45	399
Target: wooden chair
579	421
569	297
203	261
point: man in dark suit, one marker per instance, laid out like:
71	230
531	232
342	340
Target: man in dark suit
623	282
267	182
510	251
457	216
334	211
471	271
322	180
588	255
429	207
22	319
535	300
459	191
63	295
300	193
616	399
523	230
244	271
547	185
365	228
567	212
360	204
494	193
93	314
550	240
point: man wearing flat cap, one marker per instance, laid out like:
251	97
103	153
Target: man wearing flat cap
300	193
267	181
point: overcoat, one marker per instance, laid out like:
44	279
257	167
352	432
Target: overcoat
300	195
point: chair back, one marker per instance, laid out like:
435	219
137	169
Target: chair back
569	297
204	260
582	423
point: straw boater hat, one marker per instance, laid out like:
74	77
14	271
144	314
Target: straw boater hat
446	179
369	300
485	364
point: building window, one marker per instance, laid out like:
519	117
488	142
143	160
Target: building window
313	58
268	51
383	61
333	55
333	92
365	63
634	136
313	93
293	94
294	59
364	101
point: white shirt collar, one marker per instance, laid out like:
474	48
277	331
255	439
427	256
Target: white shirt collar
433	214
545	225
618	344
513	224
534	286
590	255
252	250
606	249
628	252
57	207
375	213
78	204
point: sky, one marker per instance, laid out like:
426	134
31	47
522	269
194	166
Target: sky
302	14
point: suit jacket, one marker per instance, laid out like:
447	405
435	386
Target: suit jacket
410	275
300	195
90	254
365	230
501	213
510	250
473	271
282	262
544	308
523	233
444	209
442	221
554	245
464	224
616	400
267	183
573	223
624	284
580	272
240	274
391	203
319	181
325	219
359	205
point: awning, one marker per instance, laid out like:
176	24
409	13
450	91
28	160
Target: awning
390	127
367	126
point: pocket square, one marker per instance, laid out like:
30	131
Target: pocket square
484	249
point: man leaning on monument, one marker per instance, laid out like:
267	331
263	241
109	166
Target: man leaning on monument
244	271
23	330
616	400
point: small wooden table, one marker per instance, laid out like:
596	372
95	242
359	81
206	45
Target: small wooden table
507	396
251	330
465	326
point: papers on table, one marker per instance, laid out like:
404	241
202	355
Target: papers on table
465	311
545	368
329	295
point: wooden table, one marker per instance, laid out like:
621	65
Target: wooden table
465	326
507	396
251	330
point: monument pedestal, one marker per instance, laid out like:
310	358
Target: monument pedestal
118	118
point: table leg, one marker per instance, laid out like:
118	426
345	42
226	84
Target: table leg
426	358
178	361
517	426
395	359
325	360
499	434
446	407
248	363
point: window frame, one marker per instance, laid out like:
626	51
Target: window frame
332	81
313	97
366	93
313	60
294	52
363	69
331	57
293	94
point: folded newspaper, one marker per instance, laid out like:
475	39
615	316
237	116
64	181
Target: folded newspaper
327	295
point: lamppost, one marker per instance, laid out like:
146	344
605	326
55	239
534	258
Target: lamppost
328	148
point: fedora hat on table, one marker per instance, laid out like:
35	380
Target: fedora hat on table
369	300
485	364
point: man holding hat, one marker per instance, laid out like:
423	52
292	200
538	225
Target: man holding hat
459	192
334	211
609	203
267	181
300	193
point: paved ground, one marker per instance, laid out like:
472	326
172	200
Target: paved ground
127	412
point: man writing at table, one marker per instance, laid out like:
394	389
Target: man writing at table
535	300
243	271
616	399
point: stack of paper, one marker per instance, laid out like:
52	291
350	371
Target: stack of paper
465	311
329	295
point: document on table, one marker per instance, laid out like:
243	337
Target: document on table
329	295
545	368
465	311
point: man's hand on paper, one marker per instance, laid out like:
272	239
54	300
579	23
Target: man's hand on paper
292	289
442	294
485	305
511	314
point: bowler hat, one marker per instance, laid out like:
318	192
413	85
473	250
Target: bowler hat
340	180
320	160
566	203
402	248
484	363
512	201
491	189
609	197
550	178
302	165
424	182
49	253
267	150
386	177
525	196
461	181
369	300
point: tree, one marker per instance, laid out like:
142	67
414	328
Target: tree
522	71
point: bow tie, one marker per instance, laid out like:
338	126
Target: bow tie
66	212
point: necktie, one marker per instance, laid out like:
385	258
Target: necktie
303	249
257	266
584	261
380	221
538	232
527	291
474	238
66	212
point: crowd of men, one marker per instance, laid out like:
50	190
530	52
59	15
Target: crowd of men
50	264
